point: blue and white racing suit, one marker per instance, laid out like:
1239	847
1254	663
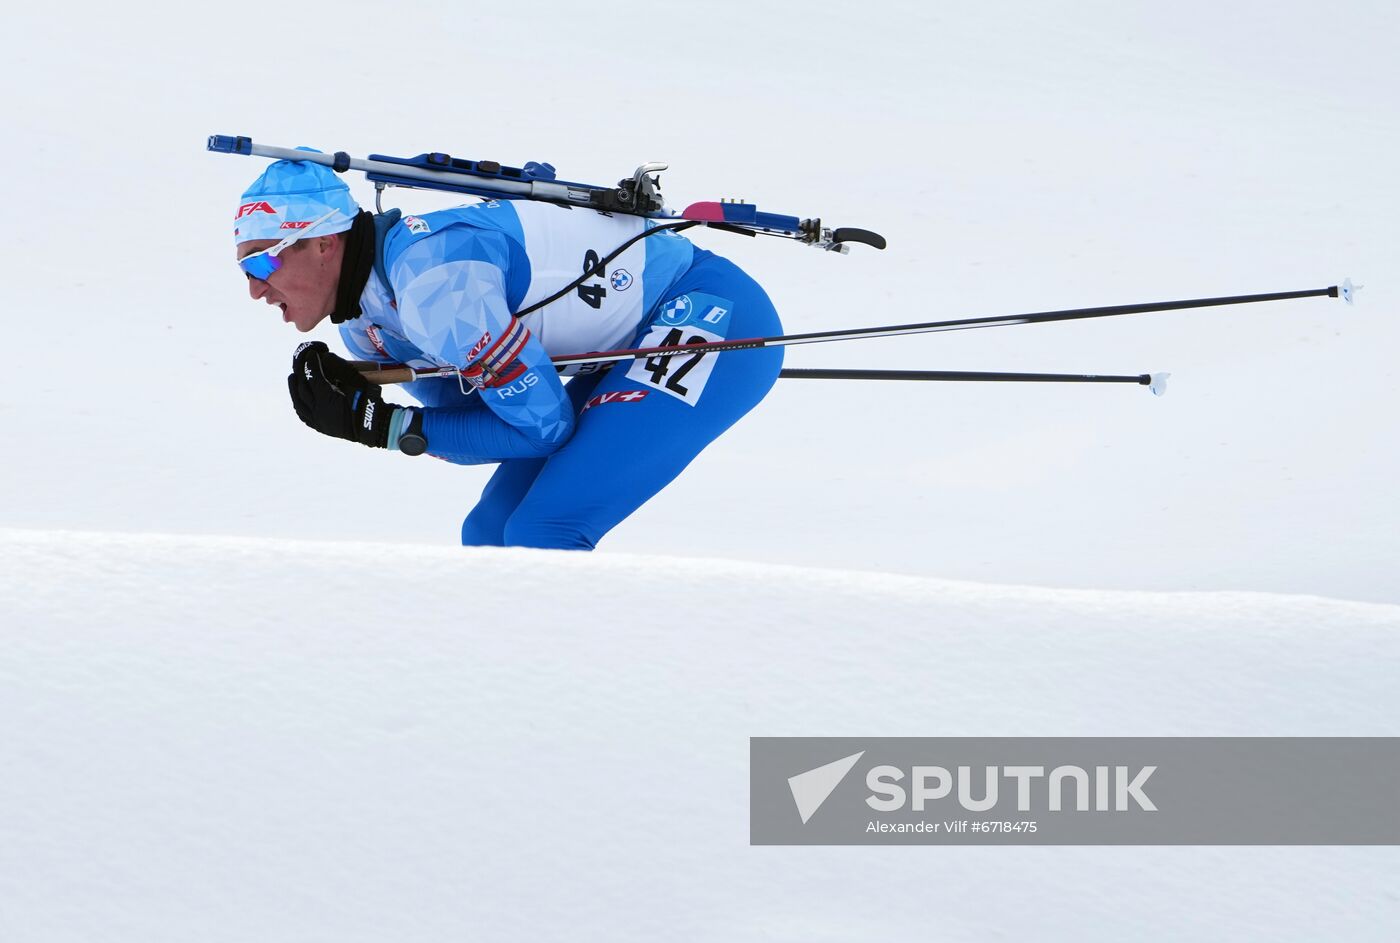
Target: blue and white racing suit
574	460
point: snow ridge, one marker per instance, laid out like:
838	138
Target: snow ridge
233	738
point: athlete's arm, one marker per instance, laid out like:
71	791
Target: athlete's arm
451	294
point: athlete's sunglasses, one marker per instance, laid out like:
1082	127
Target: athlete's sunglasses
261	264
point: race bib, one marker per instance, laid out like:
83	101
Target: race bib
687	319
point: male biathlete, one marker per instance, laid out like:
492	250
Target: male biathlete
441	289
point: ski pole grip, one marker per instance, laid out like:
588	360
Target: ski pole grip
863	236
377	373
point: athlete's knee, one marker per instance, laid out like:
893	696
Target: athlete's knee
524	529
481	529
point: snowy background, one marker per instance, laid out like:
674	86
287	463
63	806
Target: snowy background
1018	157
180	711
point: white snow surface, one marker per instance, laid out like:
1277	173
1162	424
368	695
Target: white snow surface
245	739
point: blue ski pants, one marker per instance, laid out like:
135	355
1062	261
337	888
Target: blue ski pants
640	423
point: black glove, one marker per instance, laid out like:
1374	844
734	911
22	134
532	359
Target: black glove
333	398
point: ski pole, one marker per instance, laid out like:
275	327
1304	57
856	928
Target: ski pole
962	324
401	373
398	373
1155	380
1345	291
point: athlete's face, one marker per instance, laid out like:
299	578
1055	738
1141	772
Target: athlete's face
304	287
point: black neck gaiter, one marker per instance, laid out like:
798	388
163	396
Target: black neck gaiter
354	268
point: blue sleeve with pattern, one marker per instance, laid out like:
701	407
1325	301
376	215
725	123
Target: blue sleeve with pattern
451	292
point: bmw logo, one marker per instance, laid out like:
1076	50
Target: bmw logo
621	279
677	310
